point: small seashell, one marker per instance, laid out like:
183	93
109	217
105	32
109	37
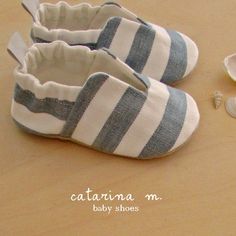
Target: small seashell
230	66
218	99
230	106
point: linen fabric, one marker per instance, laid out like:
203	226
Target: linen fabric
94	98
163	54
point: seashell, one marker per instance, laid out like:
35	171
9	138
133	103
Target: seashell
230	66
230	106
218	99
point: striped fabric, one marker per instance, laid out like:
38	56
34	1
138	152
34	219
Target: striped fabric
130	123
117	111
162	54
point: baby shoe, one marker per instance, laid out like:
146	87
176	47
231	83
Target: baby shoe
163	54
95	99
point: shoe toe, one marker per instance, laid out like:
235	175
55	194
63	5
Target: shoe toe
190	124
183	57
192	54
178	123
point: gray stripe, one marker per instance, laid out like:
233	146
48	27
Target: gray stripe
143	22
82	102
144	79
109	53
111	3
177	63
120	120
141	48
58	108
170	127
108	33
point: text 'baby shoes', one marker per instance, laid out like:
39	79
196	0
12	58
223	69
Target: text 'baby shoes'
93	98
162	54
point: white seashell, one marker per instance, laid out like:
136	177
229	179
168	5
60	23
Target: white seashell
230	106
230	66
218	99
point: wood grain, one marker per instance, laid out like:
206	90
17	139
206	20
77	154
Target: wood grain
197	184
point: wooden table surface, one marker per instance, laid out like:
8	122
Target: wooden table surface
197	184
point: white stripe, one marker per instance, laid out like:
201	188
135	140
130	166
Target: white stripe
159	56
146	122
192	54
99	111
190	124
124	37
39	122
70	37
49	89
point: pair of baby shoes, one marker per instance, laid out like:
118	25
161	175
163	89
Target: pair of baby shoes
93	76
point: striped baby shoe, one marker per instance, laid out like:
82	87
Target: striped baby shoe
95	99
163	54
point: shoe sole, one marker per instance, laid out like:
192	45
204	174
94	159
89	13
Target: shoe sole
27	130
